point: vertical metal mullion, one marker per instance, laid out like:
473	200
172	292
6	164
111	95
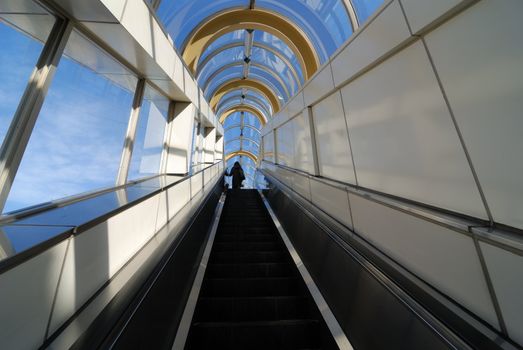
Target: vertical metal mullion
24	119
127	152
167	138
312	129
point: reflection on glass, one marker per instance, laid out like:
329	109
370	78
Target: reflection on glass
365	8
24	27
77	140
148	145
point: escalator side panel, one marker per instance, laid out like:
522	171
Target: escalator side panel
370	315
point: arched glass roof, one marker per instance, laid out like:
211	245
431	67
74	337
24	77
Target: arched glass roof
251	56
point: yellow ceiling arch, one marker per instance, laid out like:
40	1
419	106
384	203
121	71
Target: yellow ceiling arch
264	20
245	83
241	153
243	108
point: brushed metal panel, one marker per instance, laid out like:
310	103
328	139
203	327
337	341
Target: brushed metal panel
303	144
334	152
402	135
506	272
26	297
443	258
480	67
333	201
421	13
382	35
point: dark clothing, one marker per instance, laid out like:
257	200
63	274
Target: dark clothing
237	176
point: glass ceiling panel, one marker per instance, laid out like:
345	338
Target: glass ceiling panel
180	17
258	73
222	77
365	8
250	119
233	119
325	22
236	36
225	57
232	133
272	61
232	147
252	134
250	146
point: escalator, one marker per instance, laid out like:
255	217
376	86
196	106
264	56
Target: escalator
253	296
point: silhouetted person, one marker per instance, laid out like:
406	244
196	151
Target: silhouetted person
237	175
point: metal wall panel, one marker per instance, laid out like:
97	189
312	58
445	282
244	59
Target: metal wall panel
319	85
442	257
285	145
403	139
506	272
303	144
333	201
94	256
382	35
421	13
480	67
334	152
26	298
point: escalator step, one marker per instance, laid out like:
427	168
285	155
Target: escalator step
247	246
250	270
242	237
250	287
288	334
249	257
251	309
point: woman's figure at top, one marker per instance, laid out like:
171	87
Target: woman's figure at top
237	175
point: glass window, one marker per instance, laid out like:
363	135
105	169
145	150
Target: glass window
232	146
180	17
148	144
365	8
77	141
233	119
24	27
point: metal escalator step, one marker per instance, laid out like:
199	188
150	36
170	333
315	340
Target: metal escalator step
250	270
251	287
287	334
226	309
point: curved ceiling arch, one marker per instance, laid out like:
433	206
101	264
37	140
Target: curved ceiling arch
248	99
237	100
244	153
244	139
244	126
271	22
243	108
267	69
253	84
275	52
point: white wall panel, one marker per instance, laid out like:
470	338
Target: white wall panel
136	19
444	258
26	297
178	196
506	273
285	145
268	146
94	256
303	144
163	49
334	153
333	201
481	69
162	215
191	89
402	135
319	85
296	105
300	184
180	142
196	183
421	13
382	35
